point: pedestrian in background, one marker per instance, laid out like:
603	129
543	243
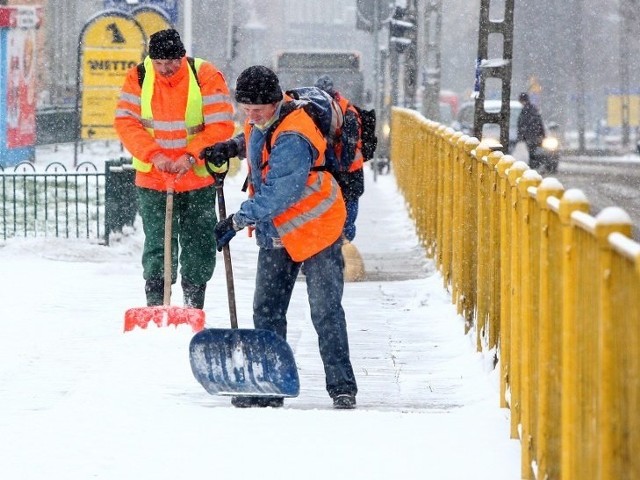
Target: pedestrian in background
170	108
298	214
530	128
348	153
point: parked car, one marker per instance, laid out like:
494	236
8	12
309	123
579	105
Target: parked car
546	156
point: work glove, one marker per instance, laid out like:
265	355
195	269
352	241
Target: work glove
220	153
225	230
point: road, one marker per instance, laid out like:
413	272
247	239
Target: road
606	182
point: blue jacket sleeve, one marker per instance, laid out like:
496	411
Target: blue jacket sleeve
290	161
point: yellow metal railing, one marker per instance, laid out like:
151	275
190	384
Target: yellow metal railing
549	289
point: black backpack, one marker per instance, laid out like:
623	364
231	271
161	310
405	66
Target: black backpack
327	115
319	105
369	139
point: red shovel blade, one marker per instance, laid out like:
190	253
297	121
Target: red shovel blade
162	316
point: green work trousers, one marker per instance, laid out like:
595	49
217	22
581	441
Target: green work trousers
194	218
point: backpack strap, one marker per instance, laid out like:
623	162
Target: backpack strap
190	60
141	72
192	63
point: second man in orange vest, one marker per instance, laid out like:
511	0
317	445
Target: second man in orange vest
298	214
170	108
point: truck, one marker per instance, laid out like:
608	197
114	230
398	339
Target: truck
301	68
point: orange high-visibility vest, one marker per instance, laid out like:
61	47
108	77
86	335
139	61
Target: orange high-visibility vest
174	116
316	220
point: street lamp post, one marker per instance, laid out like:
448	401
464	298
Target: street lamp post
432	73
625	36
187	27
580	80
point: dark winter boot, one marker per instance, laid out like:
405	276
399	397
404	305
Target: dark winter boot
260	402
154	288
193	294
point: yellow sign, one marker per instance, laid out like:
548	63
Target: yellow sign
98	111
534	86
116	31
614	110
112	44
103	68
152	20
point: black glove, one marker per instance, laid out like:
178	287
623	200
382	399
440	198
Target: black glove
220	153
225	230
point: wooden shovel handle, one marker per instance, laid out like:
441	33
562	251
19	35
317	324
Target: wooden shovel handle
226	254
168	231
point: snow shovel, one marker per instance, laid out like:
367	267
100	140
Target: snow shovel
239	361
165	314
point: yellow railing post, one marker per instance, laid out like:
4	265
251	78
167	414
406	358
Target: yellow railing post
482	241
548	334
504	164
458	153
494	248
572	201
448	214
611	400
525	322
467	241
514	173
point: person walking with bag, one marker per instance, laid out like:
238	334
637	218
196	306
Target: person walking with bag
348	153
530	128
170	108
298	214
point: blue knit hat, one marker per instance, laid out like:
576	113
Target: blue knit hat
258	85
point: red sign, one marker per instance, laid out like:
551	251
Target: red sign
20	17
21	101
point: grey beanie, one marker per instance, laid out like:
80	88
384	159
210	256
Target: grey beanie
325	82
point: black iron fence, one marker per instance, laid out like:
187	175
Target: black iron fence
56	202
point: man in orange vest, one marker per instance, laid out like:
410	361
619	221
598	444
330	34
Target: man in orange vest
170	108
298	214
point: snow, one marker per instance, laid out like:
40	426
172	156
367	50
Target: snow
613	216
575	195
550	183
81	399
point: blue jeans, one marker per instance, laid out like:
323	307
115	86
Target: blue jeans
275	279
352	186
349	231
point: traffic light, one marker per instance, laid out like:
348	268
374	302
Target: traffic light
401	30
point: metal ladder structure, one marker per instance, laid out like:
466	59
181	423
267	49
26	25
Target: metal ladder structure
499	68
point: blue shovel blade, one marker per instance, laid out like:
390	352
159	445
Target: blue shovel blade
243	362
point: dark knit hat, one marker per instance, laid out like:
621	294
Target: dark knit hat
258	85
325	82
166	45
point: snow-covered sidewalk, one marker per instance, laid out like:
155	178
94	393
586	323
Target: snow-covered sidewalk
80	399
